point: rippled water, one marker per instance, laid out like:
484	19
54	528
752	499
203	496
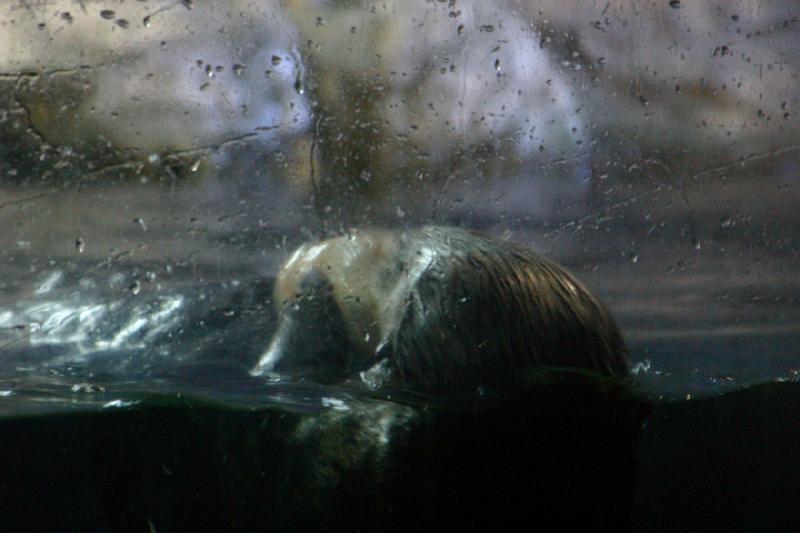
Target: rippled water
94	343
99	341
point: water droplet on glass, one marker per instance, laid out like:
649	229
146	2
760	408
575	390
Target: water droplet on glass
107	14
633	257
135	287
66	16
497	64
276	60
188	4
122	23
209	71
298	85
205	86
461	29
79	245
141	223
735	18
400	213
195	166
146	21
238	69
696	243
488	28
674	4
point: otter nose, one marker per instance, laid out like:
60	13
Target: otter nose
269	363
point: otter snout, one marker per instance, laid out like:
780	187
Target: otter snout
310	340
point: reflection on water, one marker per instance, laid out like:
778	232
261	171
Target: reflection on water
63	391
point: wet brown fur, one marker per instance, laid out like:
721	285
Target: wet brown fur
488	310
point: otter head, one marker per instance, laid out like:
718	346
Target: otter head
437	310
332	299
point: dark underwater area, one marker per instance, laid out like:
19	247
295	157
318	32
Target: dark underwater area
565	455
149	421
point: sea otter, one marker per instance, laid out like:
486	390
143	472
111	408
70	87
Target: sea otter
435	310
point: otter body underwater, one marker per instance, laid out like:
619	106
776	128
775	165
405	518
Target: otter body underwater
435	310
